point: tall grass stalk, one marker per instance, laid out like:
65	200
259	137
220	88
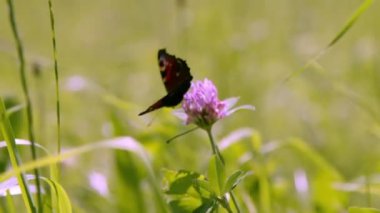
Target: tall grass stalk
6	130
53	37
56	172
20	53
349	23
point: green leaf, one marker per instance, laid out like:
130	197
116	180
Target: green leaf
208	206
233	180
186	182
188	191
183	205
362	210
190	204
216	174
203	185
182	181
59	194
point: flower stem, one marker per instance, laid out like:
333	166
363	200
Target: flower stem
183	133
235	202
225	204
215	151
214	147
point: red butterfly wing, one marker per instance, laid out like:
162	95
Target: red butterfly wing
176	77
174	71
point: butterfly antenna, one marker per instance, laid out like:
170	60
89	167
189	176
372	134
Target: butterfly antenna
179	135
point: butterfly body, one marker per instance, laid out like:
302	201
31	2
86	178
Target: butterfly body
176	77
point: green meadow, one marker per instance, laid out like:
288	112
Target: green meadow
74	75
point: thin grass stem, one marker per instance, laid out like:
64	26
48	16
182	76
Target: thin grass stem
7	133
10	203
20	53
346	27
58	111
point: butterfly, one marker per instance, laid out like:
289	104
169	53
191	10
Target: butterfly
176	77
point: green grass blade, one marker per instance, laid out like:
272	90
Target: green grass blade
7	133
10	204
15	109
21	142
233	180
58	111
122	143
20	53
61	202
55	169
301	147
354	17
350	22
314	157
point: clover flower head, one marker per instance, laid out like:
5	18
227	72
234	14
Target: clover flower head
202	106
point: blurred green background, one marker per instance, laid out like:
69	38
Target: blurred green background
247	48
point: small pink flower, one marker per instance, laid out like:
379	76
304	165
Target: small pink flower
202	106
